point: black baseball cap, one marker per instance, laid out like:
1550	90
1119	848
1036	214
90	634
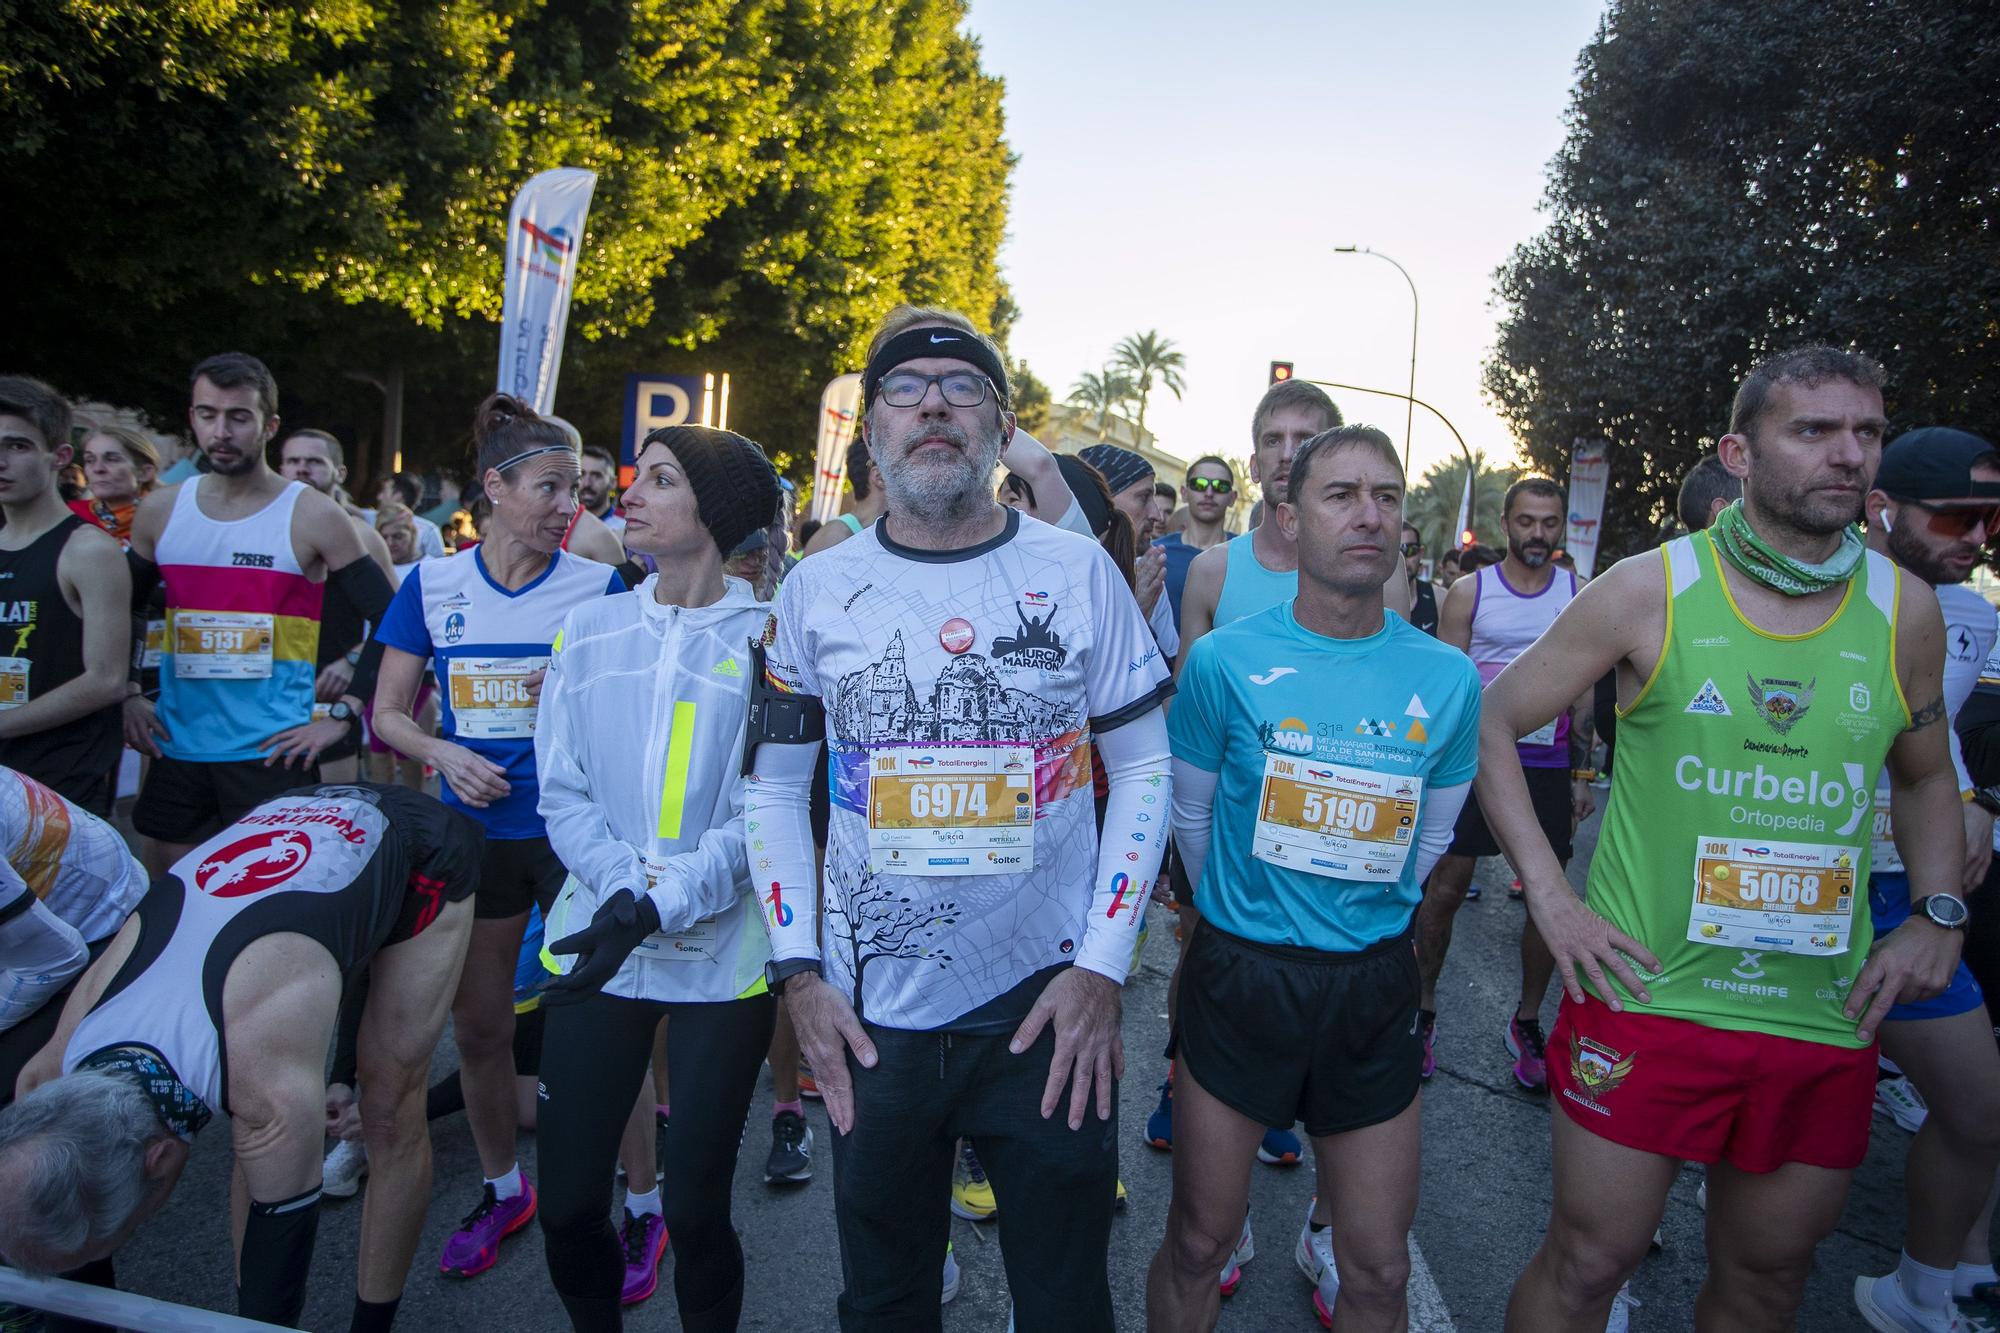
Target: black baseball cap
1935	463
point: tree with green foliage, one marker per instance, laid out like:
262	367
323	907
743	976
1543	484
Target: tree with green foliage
326	184
1738	180
1103	392
1145	358
1433	503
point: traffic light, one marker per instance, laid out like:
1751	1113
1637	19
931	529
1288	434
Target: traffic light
1280	370
1467	538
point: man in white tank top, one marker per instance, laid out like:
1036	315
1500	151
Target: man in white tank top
1493	616
245	556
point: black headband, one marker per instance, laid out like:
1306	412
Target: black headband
934	340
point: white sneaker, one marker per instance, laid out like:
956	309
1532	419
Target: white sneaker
951	1276
1622	1306
1315	1258
1245	1251
1885	1307
1898	1099
340	1176
1701	1195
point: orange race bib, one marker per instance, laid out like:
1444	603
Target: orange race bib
1334	821
222	645
490	698
1792	897
951	809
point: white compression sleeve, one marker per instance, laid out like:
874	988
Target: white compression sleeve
39	953
1440	819
778	795
1194	812
1135	823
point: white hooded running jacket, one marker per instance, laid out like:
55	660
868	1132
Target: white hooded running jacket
640	747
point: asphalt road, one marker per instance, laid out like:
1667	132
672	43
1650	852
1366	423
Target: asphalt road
1484	1205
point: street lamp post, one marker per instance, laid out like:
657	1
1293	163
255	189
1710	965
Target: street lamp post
1411	397
1471	468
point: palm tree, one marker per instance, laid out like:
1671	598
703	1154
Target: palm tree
1102	392
1434	501
1146	358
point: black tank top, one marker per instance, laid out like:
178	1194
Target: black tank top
41	647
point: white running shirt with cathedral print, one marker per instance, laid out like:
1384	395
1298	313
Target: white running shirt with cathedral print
961	691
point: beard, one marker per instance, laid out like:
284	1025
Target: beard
245	461
1911	553
939	488
1533	554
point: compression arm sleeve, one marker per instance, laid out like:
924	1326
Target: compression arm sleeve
1441	809
145	578
1194	813
1136	763
276	1259
368	589
778	794
39	951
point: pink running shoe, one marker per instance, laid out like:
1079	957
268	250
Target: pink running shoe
1530	1051
644	1240
475	1246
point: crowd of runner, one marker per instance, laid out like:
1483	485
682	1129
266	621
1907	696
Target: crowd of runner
887	817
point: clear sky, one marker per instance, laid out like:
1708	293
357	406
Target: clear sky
1190	167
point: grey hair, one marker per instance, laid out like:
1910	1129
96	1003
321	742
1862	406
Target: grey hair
75	1152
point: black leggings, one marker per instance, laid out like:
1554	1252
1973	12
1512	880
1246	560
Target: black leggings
593	1061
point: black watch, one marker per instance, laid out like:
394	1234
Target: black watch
340	712
777	974
1943	910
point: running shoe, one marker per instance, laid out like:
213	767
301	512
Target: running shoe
1118	1202
1429	1025
1514	892
1701	1195
1315	1258
1898	1098
1602	782
1245	1251
951	1276
1622	1306
971	1192
340	1175
807	1087
1525	1043
1885	1307
1160	1124
790	1162
475	1246
1472	893
1280	1147
644	1240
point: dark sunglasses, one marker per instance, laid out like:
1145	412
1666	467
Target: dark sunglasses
1413	548
1218	485
1956	520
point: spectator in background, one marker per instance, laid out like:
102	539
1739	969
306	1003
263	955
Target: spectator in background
1447	569
599	487
451	500
1706	491
406	490
1210	490
120	464
1165	500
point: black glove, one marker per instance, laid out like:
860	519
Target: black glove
621	923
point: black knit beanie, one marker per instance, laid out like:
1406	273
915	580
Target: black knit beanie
735	487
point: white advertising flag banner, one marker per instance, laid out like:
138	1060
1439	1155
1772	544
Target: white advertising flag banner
544	235
1589	473
839	416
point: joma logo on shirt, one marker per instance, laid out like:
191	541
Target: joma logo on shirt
252	560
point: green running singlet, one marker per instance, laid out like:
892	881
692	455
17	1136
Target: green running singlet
1741	860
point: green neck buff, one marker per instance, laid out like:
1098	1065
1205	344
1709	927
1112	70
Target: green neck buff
1750	553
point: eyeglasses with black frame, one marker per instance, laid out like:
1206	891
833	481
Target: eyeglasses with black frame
906	388
1413	548
1212	485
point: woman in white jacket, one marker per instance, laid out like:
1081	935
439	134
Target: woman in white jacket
639	749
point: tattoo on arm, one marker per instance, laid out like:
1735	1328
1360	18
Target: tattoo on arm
1582	732
1925	716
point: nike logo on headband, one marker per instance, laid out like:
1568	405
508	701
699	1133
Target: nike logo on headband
936	339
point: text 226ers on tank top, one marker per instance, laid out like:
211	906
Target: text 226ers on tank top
1504	624
242	629
961	689
1737	861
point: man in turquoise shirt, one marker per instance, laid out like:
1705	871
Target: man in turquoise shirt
1322	749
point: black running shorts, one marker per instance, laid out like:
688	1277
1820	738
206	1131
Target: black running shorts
1282	1034
184	801
518	873
1549	788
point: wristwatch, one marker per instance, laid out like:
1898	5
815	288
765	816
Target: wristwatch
340	712
777	974
1942	910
